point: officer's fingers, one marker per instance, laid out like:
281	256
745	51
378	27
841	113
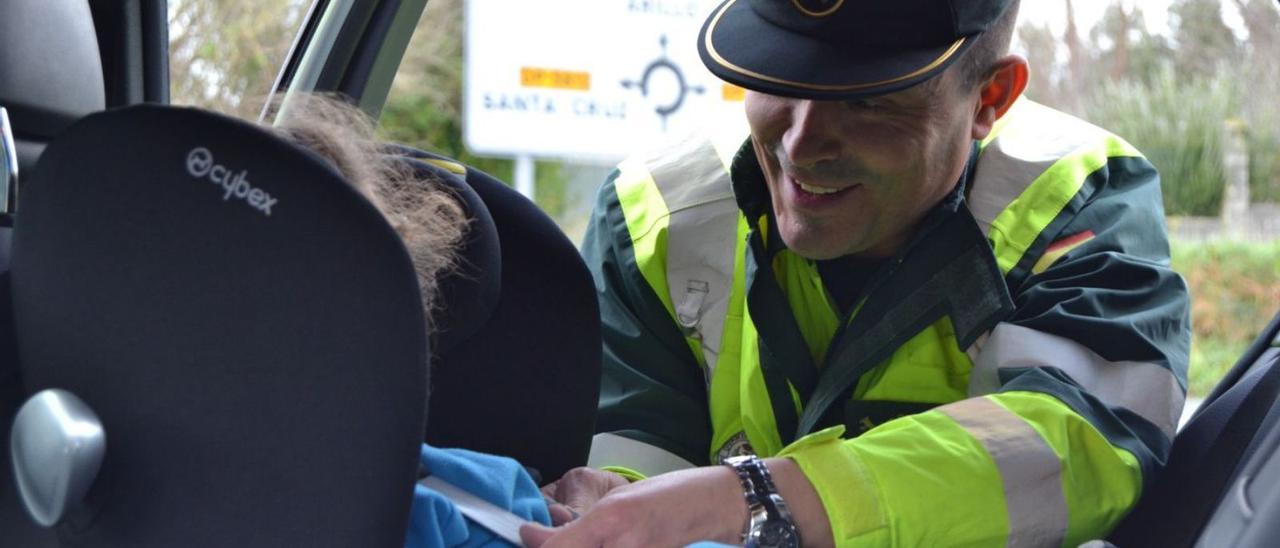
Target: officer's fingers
534	535
580	488
549	490
561	514
576	534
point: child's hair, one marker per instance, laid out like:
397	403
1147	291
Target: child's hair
422	211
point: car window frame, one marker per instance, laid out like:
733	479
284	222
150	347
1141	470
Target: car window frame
348	47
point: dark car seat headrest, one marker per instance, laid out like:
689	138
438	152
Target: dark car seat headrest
469	293
50	69
246	325
542	337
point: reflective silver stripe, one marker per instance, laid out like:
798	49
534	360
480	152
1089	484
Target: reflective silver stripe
701	235
614	450
1148	389
1034	138
1029	470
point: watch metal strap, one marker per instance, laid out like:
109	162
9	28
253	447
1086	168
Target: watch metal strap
766	507
756	511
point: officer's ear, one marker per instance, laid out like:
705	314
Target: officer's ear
998	93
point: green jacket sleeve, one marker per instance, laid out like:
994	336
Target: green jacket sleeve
652	389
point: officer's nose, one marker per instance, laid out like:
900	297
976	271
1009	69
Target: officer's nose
812	136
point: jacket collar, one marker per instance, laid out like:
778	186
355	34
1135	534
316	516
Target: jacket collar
749	187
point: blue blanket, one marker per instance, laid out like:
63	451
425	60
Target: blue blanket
434	522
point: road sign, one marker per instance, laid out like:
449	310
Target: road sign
595	79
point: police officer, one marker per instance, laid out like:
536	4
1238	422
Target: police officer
912	308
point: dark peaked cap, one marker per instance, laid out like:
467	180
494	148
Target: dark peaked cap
839	49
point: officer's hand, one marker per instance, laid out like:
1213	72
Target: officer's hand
668	510
577	491
682	507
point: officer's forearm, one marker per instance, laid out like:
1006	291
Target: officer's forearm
803	501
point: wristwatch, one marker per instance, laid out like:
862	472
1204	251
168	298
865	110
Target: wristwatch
770	524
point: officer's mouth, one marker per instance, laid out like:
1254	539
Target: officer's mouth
819	190
816	195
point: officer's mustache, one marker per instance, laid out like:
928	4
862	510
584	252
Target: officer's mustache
844	170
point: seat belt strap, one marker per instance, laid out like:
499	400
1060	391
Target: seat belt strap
497	520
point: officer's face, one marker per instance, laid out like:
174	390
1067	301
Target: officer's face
855	177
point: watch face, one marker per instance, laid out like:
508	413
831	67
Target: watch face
777	534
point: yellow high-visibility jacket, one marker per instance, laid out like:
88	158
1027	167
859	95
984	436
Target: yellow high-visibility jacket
1011	377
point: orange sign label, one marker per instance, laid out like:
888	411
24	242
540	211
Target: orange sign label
531	77
731	92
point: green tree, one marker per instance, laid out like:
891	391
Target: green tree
1127	49
224	55
1078	78
1204	42
1171	96
1042	55
1262	50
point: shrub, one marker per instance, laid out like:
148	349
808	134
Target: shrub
1235	290
1178	125
1264	159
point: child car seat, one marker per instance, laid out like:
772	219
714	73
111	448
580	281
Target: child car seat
246	326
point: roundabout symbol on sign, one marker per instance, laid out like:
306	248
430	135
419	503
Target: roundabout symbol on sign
656	69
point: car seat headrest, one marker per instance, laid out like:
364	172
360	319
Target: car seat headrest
468	294
245	324
50	69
